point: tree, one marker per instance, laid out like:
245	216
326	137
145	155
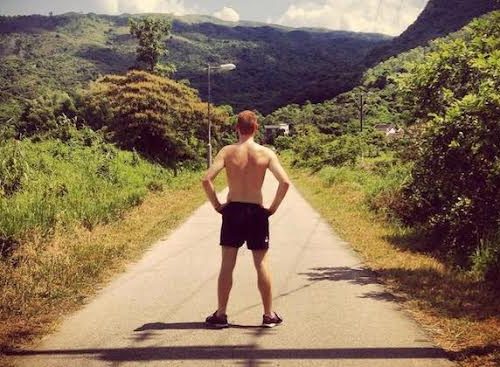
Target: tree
454	192
158	117
151	33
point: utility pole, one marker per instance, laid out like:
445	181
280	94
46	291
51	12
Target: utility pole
209	158
361	106
223	67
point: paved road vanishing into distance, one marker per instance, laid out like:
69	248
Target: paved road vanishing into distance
152	315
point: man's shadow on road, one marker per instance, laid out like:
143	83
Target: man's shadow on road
189	326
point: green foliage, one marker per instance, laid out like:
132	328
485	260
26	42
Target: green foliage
486	259
43	114
158	117
315	150
380	179
283	142
454	189
455	68
80	181
64	52
151	33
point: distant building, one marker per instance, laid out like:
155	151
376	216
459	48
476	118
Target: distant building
389	129
273	131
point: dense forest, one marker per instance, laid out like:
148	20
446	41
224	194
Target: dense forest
269	59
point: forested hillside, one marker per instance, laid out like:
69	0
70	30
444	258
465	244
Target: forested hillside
275	65
439	18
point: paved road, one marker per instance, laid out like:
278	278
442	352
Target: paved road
335	313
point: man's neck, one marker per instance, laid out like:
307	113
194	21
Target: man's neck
245	139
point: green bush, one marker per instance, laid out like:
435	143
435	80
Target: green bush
158	117
454	192
41	115
83	181
486	259
384	195
283	142
316	150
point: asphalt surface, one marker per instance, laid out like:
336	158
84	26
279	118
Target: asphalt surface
335	312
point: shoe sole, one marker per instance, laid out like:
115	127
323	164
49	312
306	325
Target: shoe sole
269	326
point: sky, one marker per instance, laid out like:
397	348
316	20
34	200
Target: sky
382	16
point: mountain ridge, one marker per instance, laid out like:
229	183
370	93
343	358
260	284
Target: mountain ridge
436	20
279	65
276	65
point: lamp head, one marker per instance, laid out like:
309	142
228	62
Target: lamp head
227	67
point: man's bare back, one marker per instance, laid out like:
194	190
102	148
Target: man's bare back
246	163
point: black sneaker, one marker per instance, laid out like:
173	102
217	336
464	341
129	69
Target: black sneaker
215	321
270	322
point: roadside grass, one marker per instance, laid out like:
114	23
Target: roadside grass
82	181
48	277
461	313
113	216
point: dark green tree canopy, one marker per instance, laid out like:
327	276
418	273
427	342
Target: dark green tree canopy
151	33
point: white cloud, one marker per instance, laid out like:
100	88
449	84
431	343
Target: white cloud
176	7
228	14
383	16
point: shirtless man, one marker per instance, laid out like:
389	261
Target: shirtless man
244	218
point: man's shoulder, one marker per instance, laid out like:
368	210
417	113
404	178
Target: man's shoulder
263	148
268	151
225	148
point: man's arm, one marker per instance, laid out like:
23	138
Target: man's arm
207	181
284	182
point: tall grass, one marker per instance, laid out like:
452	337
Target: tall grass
51	183
379	179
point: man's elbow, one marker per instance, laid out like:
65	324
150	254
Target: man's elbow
206	181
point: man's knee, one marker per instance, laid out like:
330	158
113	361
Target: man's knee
228	266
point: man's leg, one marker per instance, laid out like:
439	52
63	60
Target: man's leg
225	282
263	280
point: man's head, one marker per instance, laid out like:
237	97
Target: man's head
247	123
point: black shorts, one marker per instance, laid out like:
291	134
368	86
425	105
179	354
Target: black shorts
245	222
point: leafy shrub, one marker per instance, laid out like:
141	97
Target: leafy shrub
486	259
316	150
385	195
454	192
41	115
159	118
283	142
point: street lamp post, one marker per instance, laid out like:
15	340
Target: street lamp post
223	67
